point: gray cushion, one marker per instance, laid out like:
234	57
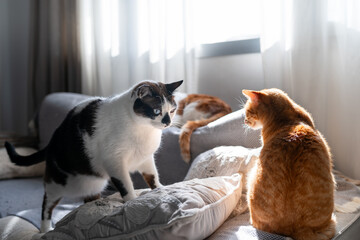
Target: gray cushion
229	130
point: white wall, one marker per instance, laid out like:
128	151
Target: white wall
14	57
226	76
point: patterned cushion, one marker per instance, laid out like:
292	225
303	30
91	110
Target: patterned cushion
187	210
223	161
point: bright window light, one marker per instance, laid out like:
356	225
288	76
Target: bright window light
115	28
344	13
226	20
165	27
288	24
109	21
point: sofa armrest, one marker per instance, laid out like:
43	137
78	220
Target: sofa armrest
53	111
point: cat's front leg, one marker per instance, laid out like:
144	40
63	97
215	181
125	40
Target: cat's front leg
150	173
120	177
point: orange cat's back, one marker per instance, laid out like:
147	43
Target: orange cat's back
291	189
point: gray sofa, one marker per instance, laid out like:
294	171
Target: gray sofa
20	199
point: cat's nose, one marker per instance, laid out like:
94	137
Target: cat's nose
166	120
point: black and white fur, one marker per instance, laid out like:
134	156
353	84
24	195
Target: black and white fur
104	139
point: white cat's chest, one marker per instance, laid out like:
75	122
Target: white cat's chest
146	141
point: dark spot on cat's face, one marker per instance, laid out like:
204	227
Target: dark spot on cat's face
154	101
166	119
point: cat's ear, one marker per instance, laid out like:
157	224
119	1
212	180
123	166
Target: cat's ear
253	96
172	86
143	91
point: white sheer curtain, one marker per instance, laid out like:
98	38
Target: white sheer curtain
124	42
311	49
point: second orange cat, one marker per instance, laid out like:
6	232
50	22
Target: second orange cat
194	111
291	188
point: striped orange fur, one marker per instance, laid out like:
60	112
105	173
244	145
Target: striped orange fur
291	187
194	111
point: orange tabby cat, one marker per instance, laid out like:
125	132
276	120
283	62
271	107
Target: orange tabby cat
291	188
194	111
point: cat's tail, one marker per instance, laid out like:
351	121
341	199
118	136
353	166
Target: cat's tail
188	129
24	160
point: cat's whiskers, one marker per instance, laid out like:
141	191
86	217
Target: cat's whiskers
241	102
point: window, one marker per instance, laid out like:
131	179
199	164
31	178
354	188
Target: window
225	20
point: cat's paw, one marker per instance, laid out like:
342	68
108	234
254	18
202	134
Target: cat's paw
37	236
129	197
159	185
45	226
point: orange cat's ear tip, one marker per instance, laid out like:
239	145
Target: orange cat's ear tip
253	96
250	94
247	92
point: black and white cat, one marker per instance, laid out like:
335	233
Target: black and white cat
104	139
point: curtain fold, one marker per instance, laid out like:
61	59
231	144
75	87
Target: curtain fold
124	42
310	49
14	32
54	50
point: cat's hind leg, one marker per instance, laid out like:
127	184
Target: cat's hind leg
49	203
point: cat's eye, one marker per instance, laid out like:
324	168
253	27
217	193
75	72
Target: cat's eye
157	111
172	110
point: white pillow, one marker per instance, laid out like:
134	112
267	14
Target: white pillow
187	210
223	161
